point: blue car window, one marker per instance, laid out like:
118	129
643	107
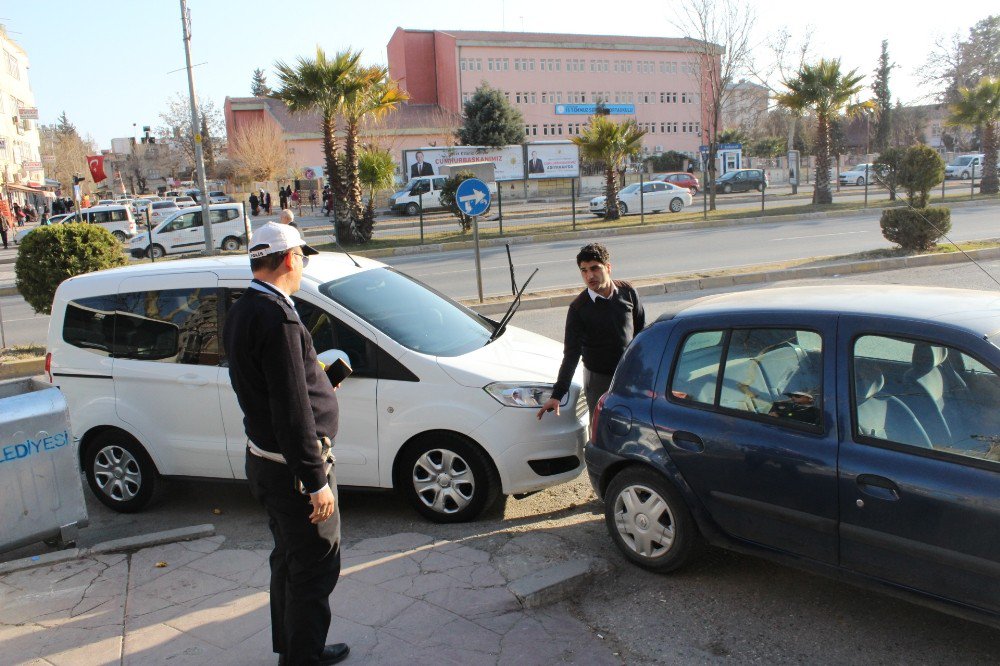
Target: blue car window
697	371
926	396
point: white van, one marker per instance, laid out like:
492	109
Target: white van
116	218
424	190
183	232
965	167
441	405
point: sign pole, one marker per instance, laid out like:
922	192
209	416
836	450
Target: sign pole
479	266
473	199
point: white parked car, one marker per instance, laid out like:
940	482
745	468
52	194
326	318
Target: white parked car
116	218
656	196
55	219
184	232
858	174
185	202
965	167
218	196
441	404
161	210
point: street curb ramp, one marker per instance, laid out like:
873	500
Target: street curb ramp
555	583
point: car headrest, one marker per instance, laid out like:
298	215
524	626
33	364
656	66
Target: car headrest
926	357
868	382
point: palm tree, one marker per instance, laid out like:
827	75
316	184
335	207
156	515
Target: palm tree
980	107
319	84
825	90
376	171
368	95
604	140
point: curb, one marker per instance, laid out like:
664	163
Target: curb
28	367
561	297
555	583
114	546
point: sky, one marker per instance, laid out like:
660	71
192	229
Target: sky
112	65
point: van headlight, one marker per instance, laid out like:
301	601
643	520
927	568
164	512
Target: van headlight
521	394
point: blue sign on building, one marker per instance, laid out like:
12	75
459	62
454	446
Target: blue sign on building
591	109
473	197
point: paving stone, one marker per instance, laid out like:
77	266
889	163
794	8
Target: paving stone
238	566
160	644
367	604
395	543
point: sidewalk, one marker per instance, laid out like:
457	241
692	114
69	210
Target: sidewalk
404	598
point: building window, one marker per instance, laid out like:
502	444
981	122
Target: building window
532	98
527	130
12	66
534	130
506	95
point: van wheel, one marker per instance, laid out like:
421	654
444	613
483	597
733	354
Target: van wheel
231	244
155	251
120	236
119	471
447	479
412	209
649	521
760	187
676	205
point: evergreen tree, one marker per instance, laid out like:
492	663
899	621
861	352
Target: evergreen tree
64	126
883	101
490	120
258	84
208	144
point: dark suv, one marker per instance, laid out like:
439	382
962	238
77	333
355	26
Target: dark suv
849	430
741	180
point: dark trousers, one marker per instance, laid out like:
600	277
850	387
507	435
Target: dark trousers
305	562
595	385
3	236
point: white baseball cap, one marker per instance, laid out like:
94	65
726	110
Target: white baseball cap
274	237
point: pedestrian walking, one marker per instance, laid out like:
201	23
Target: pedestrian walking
312	201
18	215
283	198
5	227
267	202
290	416
254	204
600	324
297	201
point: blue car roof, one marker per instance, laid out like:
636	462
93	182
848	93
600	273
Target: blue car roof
972	310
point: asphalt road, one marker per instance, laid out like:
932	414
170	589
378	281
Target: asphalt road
725	608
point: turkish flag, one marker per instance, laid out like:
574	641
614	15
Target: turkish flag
96	164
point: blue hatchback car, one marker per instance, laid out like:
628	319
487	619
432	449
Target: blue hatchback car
851	430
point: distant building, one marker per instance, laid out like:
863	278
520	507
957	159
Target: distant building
556	79
21	172
745	105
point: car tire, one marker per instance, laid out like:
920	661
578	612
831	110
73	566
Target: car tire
622	208
693	191
676	205
119	236
860	182
119	471
412	209
156	251
760	187
727	189
664	542
427	474
231	244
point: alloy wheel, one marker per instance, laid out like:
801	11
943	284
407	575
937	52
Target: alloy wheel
443	481
644	521
117	473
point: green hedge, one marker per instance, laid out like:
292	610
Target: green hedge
50	254
915	229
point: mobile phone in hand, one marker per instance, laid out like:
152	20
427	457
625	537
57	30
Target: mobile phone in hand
338	371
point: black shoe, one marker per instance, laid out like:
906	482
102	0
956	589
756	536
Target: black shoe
332	654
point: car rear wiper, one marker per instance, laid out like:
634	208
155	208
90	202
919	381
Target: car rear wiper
514	305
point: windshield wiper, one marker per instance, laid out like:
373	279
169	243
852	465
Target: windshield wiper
514	305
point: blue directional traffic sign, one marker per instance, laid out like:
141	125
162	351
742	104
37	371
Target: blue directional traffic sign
473	197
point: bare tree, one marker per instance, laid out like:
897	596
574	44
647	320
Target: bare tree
258	152
722	32
176	125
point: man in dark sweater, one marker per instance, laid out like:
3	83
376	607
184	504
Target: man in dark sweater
600	324
290	415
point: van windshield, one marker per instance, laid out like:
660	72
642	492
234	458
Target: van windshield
962	161
411	313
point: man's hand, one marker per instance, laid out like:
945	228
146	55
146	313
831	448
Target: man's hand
550	405
323	503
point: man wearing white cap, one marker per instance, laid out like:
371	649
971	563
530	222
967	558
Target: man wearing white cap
290	415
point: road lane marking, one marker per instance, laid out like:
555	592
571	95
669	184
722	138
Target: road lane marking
839	233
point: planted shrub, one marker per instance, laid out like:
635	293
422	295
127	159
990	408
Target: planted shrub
50	254
920	169
915	229
448	197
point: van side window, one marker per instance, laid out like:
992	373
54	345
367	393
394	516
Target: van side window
173	326
90	324
439	183
328	332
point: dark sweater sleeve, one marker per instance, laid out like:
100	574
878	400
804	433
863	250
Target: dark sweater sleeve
572	346
291	414
638	314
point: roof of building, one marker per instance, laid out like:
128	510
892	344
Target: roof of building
407	116
568	40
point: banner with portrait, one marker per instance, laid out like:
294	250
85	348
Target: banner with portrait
508	161
553	159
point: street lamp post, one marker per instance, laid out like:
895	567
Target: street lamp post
206	222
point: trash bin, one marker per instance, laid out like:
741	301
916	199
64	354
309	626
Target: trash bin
41	487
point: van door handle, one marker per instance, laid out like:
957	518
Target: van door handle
192	380
878	487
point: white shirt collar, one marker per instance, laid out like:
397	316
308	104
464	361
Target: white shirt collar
594	295
288	298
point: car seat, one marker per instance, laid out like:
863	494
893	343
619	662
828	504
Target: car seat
885	416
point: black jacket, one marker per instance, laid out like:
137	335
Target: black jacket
599	331
286	398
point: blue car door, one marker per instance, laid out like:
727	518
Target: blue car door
920	458
746	412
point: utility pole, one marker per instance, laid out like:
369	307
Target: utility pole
206	222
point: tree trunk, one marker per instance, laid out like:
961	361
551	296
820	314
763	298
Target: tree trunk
713	154
353	181
991	183
335	177
611	211
822	194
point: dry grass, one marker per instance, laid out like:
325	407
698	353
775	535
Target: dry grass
19	352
